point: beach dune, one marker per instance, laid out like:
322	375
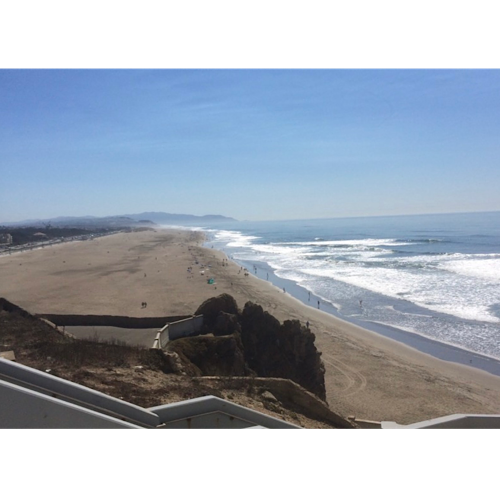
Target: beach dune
367	375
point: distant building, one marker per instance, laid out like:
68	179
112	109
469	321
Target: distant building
5	239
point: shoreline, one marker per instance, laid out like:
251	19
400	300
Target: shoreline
367	375
425	344
381	348
419	341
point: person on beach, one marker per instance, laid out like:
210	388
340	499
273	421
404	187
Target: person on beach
318	304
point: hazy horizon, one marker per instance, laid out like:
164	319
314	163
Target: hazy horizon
249	144
256	220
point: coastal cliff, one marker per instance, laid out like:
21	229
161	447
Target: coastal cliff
213	364
269	349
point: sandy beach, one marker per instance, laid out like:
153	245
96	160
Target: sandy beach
367	375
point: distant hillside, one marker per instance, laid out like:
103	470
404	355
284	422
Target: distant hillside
166	218
132	220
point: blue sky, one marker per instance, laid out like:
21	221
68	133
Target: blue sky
251	144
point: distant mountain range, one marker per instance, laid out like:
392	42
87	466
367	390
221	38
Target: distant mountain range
129	220
164	218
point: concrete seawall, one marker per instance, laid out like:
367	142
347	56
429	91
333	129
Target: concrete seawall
106	320
178	329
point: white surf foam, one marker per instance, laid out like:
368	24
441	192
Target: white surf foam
455	284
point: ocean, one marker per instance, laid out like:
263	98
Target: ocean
430	281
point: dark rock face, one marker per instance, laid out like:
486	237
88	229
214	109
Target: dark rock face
226	324
213	306
261	344
285	351
260	338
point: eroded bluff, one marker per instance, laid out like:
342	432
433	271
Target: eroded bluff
252	342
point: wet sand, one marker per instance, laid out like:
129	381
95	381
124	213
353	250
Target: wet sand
368	376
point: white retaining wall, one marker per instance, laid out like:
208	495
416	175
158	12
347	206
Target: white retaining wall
177	330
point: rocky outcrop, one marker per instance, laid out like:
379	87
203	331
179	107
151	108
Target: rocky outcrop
215	305
260	337
282	350
226	324
261	344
